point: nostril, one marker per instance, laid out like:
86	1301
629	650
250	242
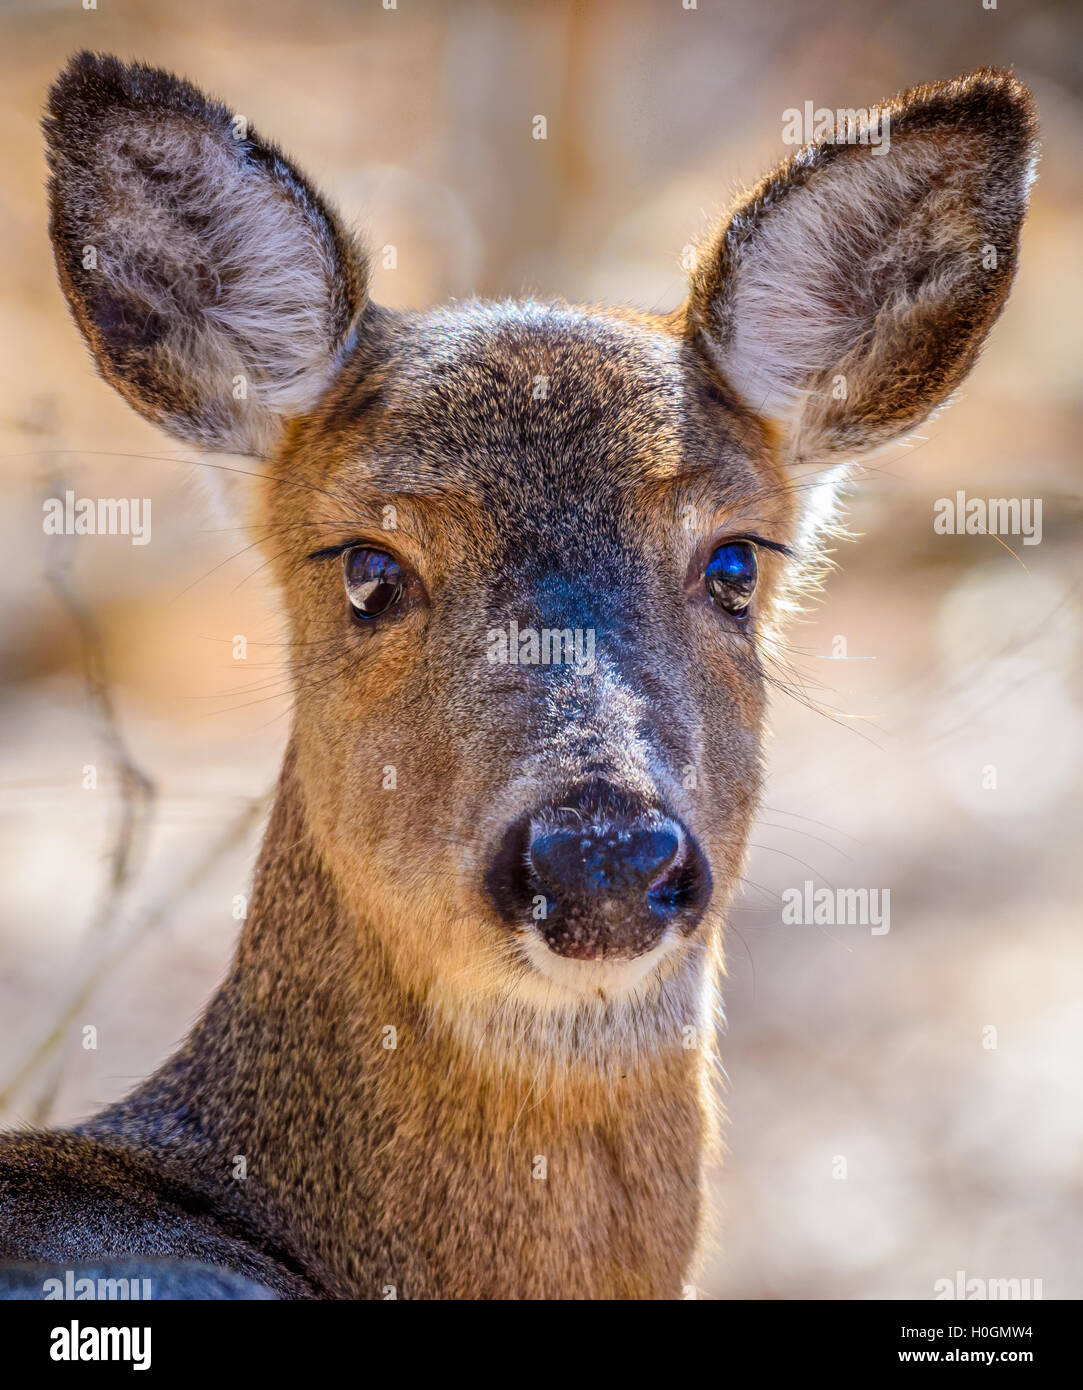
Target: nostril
653	854
683	883
509	878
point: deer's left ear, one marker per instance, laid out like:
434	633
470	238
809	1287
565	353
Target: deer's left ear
851	292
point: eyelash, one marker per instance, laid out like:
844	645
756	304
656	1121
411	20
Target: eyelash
750	538
330	551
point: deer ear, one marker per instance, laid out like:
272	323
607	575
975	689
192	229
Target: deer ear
851	292
216	290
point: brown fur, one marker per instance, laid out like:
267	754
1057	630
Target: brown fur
594	504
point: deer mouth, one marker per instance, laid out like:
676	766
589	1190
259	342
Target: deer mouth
605	978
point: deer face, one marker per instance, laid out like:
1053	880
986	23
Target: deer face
536	571
534	557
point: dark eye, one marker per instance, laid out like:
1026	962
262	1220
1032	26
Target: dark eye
375	581
730	576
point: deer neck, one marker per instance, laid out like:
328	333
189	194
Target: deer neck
401	1163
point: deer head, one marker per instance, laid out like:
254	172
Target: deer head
534	557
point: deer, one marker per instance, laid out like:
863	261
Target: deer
467	1048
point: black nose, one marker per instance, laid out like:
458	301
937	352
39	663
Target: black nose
599	874
605	860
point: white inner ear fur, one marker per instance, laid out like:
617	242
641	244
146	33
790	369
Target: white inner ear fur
818	269
242	278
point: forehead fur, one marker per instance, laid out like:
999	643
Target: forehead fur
520	404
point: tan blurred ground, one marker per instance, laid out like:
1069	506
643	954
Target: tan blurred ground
840	1044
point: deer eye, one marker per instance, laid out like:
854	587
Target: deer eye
730	577
375	581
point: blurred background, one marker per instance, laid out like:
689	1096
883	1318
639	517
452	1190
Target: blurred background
880	1135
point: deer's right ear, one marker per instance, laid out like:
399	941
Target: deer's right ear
851	292
216	290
